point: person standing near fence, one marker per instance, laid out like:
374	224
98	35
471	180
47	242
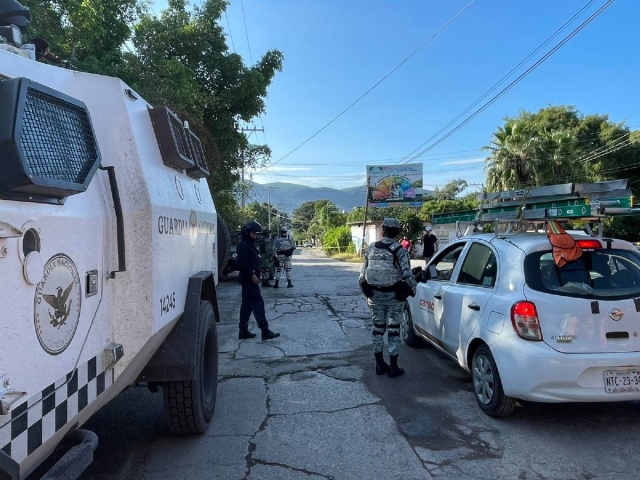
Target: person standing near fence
283	248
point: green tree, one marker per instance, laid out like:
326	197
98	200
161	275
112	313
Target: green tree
512	157
260	213
337	240
179	59
182	60
451	189
91	34
558	145
303	216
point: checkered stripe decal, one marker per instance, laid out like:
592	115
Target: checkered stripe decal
35	421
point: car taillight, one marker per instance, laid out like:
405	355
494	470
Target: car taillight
524	318
589	244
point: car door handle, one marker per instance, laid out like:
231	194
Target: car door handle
474	306
438	296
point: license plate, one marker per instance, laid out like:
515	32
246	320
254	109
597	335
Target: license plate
620	381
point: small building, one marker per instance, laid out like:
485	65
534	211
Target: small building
372	234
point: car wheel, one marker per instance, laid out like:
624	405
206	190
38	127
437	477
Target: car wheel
407	331
487	385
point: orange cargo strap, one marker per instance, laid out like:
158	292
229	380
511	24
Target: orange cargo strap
565	248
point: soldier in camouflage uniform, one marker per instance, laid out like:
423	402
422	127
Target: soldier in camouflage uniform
283	248
386	280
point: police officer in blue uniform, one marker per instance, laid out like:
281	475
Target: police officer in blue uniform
252	301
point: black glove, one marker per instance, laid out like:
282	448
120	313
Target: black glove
276	262
403	291
366	289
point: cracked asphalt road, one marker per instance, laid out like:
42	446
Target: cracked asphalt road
309	406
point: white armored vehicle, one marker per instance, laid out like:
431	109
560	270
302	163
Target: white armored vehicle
108	262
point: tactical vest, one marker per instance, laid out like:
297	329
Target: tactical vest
283	243
383	269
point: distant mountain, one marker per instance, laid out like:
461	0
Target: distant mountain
289	196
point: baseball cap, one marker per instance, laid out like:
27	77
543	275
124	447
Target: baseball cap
427	228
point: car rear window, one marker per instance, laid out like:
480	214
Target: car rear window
606	274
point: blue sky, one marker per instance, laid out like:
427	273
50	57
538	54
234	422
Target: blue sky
335	50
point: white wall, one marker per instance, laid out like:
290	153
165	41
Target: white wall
373	233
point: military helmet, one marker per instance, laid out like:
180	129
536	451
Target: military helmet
283	229
13	13
391	223
251	226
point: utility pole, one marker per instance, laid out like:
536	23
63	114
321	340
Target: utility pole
269	201
252	130
364	223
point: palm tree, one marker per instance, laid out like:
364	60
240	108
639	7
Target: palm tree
558	151
512	162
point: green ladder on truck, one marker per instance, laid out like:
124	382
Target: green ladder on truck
569	201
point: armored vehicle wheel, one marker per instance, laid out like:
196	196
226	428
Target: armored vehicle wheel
190	404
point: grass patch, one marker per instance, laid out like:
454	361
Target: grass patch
346	257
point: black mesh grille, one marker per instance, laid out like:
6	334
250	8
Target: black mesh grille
198	152
180	136
57	138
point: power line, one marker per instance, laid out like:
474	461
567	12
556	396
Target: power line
504	78
229	29
246	31
378	82
515	82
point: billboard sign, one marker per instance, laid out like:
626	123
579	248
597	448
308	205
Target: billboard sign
394	185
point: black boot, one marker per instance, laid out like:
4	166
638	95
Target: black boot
268	334
276	284
244	334
289	284
265	283
394	369
381	365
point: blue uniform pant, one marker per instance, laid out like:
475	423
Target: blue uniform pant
252	302
386	315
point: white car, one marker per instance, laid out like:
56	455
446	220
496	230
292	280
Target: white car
527	329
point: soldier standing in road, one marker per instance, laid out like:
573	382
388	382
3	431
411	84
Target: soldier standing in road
283	248
252	301
386	280
264	245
